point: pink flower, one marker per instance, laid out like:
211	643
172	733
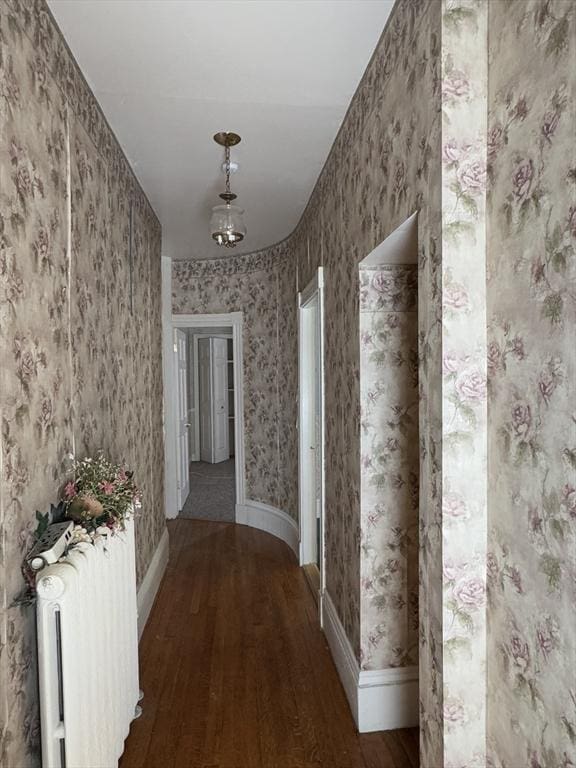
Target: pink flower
70	490
450	152
366	339
550	123
449	364
470	593
495	140
455	84
471	385
520	652
472	177
494	357
521	420
107	487
492	567
569	500
122	476
547	636
453	505
547	384
455	296
451	571
384	284
518	348
516	579
522	179
454	710
521	109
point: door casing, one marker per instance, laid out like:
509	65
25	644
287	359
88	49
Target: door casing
311	336
207	321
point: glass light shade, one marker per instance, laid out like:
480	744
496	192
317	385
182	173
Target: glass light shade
226	225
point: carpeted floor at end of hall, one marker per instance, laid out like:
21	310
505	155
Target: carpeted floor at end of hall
212	492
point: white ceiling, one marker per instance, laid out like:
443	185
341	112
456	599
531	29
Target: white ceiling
171	73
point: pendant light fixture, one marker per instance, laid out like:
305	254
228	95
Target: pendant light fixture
226	225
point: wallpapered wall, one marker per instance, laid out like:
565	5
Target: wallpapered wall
262	286
389	464
81	370
531	381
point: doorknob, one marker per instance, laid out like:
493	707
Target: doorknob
187	425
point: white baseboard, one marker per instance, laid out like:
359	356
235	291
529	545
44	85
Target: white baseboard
380	700
151	582
271	520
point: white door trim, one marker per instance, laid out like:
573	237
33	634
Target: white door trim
314	290
235	321
183	425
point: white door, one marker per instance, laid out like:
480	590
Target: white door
213	380
219	349
310	412
204	380
183	423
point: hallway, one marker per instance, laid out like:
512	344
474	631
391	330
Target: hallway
235	670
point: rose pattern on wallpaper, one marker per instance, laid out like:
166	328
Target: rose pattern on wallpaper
389	466
414	139
531	374
80	372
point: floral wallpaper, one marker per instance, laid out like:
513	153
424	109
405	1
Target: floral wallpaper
263	286
389	466
531	378
496	428
79	324
464	406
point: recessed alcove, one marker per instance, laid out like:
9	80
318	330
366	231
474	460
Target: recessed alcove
388	280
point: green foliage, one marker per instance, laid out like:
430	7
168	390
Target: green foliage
43	523
456	439
456	229
570	456
558	38
462	616
553	307
570	729
455	17
102	493
550	566
458	644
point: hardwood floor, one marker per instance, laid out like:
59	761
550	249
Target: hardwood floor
235	670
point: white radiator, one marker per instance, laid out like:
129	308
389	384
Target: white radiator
88	653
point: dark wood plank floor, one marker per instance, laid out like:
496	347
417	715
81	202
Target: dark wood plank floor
235	670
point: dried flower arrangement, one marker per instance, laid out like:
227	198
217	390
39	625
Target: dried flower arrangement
99	498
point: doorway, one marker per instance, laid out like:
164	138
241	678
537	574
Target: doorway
208	419
311	433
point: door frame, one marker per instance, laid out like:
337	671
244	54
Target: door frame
179	488
234	320
314	290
